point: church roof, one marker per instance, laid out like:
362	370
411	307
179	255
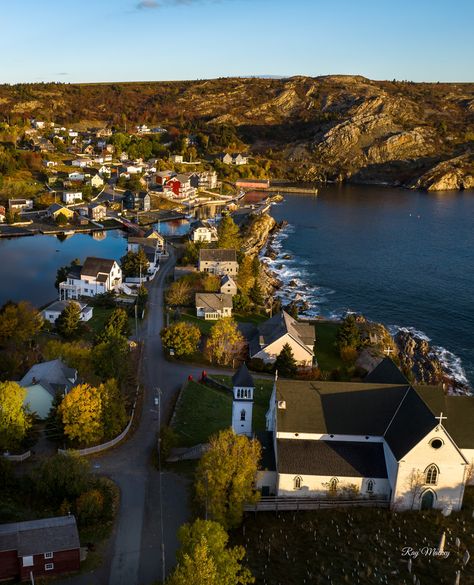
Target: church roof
346	408
386	372
243	378
459	411
331	458
267	462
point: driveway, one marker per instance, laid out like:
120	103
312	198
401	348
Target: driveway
133	555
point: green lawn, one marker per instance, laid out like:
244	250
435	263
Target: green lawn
356	546
99	318
204	326
326	351
201	412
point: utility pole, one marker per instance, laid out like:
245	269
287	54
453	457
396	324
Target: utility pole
160	488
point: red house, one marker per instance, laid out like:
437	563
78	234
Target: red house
49	546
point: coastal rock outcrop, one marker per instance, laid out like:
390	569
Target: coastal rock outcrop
416	356
453	174
256	233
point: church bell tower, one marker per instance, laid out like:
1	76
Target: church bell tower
243	388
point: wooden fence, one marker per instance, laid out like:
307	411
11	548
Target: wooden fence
282	504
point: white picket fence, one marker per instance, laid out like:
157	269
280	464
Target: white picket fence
17	458
282	504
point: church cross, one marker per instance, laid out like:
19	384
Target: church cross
440	418
388	350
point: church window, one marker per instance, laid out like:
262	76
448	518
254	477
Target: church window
431	475
333	485
297	482
436	443
242	414
370	486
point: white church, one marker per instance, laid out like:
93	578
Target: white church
382	439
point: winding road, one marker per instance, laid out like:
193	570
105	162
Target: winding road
133	555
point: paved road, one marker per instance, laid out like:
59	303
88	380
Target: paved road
133	556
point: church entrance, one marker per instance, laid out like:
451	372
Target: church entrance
427	500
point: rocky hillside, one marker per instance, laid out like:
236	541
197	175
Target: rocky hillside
326	128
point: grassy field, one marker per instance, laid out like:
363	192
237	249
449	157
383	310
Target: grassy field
358	546
99	319
201	412
263	391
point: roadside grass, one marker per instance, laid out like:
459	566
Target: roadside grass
358	545
99	318
201	412
263	391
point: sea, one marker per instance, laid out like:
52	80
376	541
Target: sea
403	258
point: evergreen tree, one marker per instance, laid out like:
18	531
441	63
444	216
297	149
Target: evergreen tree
285	362
133	263
69	321
245	277
348	334
228	233
256	295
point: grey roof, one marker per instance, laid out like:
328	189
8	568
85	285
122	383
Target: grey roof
331	458
92	266
54	376
96	204
412	421
217	255
59	306
39	536
279	325
386	372
213	301
227	279
55	207
243	378
459	411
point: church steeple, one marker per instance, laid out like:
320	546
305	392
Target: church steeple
243	388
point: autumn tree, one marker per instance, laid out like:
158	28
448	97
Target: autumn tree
179	292
114	415
204	551
69	321
14	419
81	414
225	476
285	362
90	506
109	358
245	277
182	337
225	342
76	354
228	234
64	476
134	263
20	323
210	283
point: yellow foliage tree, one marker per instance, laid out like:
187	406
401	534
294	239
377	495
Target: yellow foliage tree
81	414
225	342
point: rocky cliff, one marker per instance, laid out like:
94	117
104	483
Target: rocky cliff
339	127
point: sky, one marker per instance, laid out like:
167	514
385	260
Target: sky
140	40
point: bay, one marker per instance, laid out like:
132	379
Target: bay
404	258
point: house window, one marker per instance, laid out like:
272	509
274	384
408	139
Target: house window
431	475
333	485
27	561
49	566
48	555
297	482
370	486
242	415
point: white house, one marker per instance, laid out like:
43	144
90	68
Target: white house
202	231
218	261
243	388
176	158
75	176
44	382
71	197
213	306
96	276
282	329
52	311
411	447
80	162
228	285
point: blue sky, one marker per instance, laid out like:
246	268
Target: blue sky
129	40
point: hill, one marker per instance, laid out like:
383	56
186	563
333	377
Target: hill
334	127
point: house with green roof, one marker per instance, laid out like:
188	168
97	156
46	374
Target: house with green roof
411	446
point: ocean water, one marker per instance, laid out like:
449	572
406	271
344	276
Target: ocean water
404	258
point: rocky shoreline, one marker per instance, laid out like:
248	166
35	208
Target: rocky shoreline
416	357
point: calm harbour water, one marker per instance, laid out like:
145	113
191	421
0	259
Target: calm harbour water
402	258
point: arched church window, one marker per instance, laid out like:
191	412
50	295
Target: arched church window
242	414
431	475
333	484
370	486
297	482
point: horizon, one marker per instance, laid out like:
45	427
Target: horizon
184	40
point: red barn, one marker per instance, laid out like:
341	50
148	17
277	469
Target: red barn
253	183
49	546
